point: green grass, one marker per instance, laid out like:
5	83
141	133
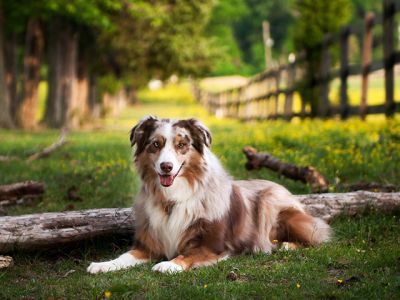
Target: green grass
365	252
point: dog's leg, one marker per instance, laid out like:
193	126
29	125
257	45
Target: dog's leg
300	227
126	260
195	258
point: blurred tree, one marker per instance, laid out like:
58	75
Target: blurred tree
314	20
67	21
24	51
124	42
28	102
5	111
249	31
221	30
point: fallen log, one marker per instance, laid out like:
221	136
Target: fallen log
20	192
37	231
256	160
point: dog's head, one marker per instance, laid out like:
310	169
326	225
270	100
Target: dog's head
168	148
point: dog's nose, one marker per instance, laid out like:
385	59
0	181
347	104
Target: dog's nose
166	167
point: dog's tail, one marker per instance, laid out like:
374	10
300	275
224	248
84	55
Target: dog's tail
298	226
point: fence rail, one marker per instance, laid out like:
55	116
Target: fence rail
270	94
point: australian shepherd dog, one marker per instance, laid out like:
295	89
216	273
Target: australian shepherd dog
191	213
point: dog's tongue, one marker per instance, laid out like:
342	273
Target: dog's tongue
166	180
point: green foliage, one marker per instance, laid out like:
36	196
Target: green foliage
249	30
317	18
236	29
156	40
221	31
132	41
109	84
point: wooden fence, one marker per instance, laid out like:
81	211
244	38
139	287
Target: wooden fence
269	95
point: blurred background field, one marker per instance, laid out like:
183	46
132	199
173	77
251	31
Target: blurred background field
97	165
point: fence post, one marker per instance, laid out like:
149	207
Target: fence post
277	87
324	81
291	75
366	62
247	104
388	52
344	71
238	100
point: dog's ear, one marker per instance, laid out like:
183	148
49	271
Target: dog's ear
199	132
142	131
203	130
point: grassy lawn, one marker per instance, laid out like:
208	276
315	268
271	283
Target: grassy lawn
362	261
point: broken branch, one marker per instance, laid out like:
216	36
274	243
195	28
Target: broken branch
50	149
256	160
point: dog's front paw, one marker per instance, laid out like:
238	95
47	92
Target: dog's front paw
124	261
167	267
102	267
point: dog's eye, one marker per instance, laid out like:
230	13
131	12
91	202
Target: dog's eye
156	145
181	145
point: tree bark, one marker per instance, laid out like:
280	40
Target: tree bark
94	106
81	104
11	65
5	104
63	48
307	174
28	105
37	231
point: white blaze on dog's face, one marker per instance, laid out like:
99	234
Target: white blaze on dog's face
168	144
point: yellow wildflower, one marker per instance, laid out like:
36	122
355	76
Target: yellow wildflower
107	294
205	286
298	285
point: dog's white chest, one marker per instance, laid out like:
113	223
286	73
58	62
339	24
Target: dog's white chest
168	229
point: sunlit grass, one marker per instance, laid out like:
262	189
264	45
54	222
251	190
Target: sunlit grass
98	163
43	90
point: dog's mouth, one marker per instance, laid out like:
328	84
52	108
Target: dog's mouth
167	180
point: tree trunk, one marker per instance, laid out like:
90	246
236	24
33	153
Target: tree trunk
81	107
28	105
94	106
37	231
113	104
11	65
5	104
132	96
62	74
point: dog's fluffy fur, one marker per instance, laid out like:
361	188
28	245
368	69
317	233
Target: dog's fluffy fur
190	211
